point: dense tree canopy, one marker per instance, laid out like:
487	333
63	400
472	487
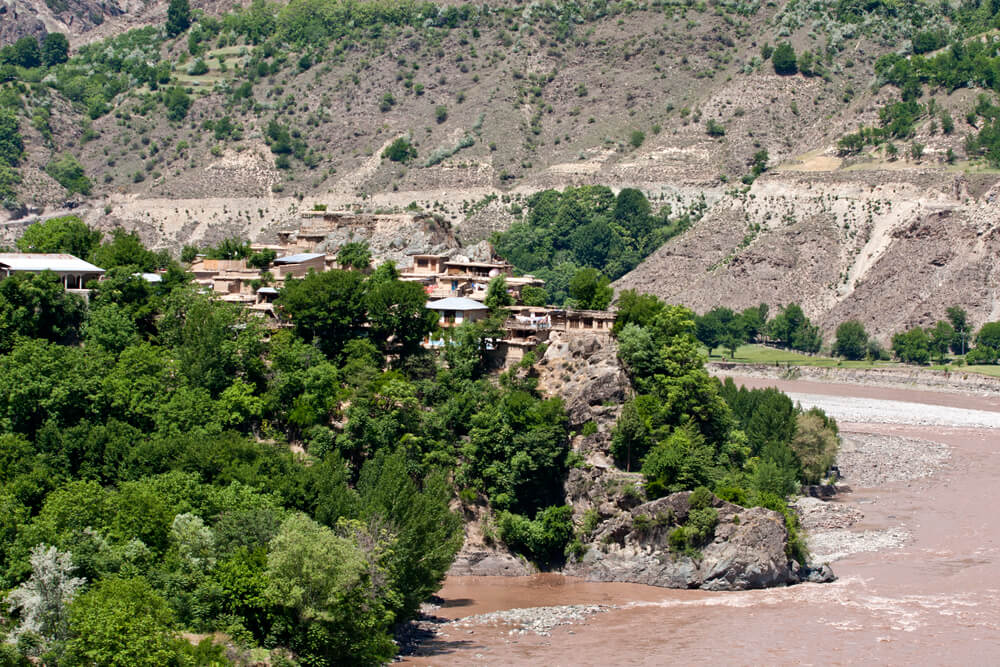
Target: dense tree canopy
587	227
144	456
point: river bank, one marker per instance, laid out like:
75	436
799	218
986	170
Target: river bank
916	545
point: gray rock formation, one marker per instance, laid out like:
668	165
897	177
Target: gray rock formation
489	563
747	551
585	371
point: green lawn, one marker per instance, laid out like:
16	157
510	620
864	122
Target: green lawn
761	354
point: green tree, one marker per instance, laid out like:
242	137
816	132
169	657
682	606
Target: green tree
355	255
11	143
713	327
55	49
912	347
784	60
815	444
175	99
400	150
126	249
321	577
36	305
534	296
110	327
630	439
959	320
988	337
66	233
590	289
517	450
791	328
397	317
940	339
327	308
427	534
682	461
497	296
121	623
851	340
178	17
26	52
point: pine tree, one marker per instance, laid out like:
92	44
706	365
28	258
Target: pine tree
178	17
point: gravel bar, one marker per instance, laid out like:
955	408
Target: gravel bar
876	411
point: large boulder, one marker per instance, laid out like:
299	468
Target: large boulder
747	551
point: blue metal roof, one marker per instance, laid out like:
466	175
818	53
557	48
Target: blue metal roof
298	259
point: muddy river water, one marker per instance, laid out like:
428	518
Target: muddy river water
933	600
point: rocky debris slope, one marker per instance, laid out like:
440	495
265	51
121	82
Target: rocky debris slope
892	250
585	371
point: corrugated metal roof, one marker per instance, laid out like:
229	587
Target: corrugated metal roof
33	261
267	290
456	303
298	259
150	277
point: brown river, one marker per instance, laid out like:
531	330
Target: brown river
933	600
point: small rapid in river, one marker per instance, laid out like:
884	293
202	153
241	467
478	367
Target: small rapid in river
918	557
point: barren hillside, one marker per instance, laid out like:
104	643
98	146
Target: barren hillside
291	105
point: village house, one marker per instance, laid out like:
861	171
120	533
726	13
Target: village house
526	327
73	272
444	278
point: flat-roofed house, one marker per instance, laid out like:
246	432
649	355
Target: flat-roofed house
296	266
72	271
455	310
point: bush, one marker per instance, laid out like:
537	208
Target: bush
636	138
400	150
198	68
784	60
714	129
441	114
544	539
68	172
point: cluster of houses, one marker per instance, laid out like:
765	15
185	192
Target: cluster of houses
456	287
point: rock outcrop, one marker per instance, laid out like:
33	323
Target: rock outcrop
626	536
747	551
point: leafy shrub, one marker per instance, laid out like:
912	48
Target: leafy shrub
400	150
68	172
543	539
783	59
198	68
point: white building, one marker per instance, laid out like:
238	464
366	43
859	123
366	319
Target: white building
73	271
